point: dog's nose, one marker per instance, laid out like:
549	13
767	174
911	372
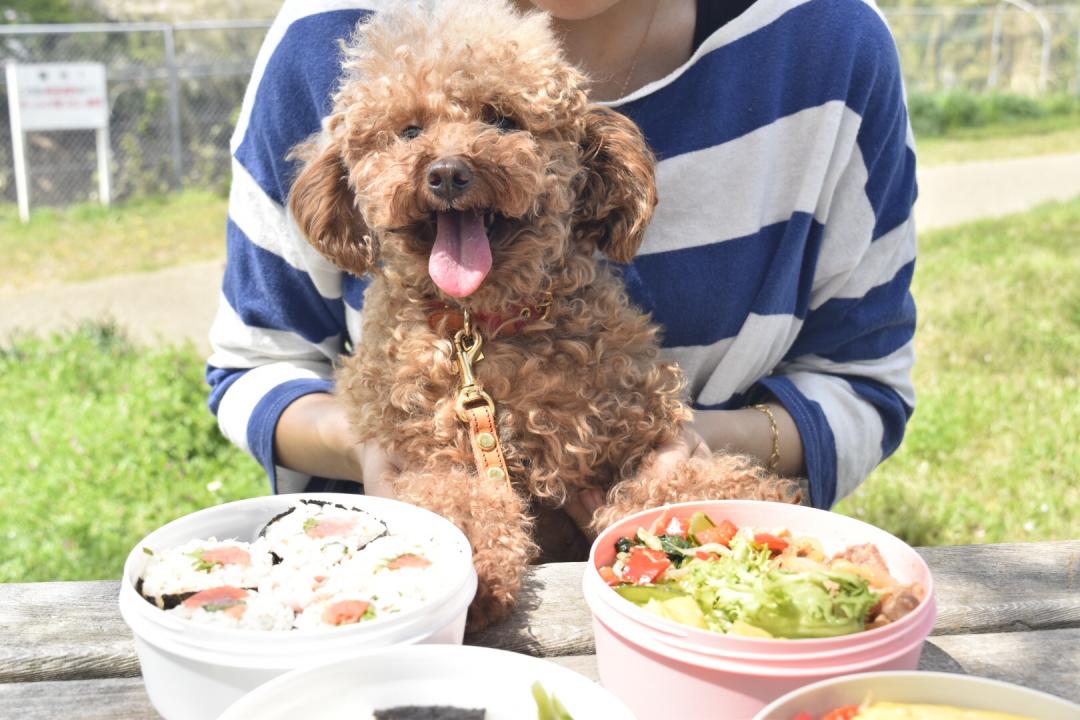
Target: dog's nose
449	177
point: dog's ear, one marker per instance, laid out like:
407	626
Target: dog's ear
618	194
324	207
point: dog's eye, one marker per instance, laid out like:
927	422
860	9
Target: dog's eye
413	131
504	123
496	119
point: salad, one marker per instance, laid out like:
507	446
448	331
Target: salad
708	573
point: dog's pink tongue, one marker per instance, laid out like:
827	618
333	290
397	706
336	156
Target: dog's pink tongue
461	256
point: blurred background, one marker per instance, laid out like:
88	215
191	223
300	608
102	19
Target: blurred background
177	71
104	433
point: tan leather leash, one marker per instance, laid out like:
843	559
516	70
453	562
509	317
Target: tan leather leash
475	407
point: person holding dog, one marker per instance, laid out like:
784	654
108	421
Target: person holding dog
779	260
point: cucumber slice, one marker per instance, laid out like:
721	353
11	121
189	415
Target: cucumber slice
641	594
699	521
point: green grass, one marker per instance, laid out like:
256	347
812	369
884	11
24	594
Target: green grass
960	126
1042	136
992	452
89	241
945	112
102	443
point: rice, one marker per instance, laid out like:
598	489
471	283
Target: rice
396	573
294	587
315	566
337	610
173	574
317	535
235	608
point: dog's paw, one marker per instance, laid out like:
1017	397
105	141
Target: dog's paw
786	490
491	605
719	477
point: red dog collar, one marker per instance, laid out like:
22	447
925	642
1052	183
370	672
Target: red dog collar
510	322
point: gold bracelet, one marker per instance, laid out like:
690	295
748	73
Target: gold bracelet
774	459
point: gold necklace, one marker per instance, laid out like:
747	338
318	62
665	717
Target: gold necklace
637	52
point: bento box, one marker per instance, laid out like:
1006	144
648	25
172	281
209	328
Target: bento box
688	668
224	599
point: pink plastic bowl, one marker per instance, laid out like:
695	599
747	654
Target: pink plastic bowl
660	668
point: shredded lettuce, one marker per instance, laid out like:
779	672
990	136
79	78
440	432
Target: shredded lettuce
743	587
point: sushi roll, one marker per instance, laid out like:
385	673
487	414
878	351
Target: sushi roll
396	572
294	587
237	608
336	611
171	576
317	534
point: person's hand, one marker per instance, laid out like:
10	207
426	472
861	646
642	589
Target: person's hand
687	444
314	436
375	464
580	506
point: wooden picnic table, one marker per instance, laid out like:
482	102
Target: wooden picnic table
1010	612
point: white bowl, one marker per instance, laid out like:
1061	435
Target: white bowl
194	672
462	676
966	691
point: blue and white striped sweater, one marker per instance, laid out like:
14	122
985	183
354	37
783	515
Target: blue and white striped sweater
779	259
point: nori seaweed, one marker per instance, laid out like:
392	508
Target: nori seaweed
430	712
320	503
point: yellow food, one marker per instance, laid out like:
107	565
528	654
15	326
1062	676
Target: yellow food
906	711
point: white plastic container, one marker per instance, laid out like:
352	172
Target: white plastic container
965	691
194	672
498	681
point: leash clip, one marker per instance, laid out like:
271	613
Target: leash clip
470	394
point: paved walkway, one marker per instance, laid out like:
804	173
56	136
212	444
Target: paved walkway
170	305
954	194
179	303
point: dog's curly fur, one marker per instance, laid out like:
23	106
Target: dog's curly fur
582	396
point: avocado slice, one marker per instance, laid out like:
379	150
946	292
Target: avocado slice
685	610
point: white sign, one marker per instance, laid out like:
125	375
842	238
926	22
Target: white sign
59	96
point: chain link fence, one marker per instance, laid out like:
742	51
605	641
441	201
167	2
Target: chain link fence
174	90
1011	47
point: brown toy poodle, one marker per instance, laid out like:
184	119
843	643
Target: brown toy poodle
465	170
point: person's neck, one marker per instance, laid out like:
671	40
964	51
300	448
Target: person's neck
627	45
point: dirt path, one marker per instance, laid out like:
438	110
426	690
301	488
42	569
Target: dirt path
179	303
